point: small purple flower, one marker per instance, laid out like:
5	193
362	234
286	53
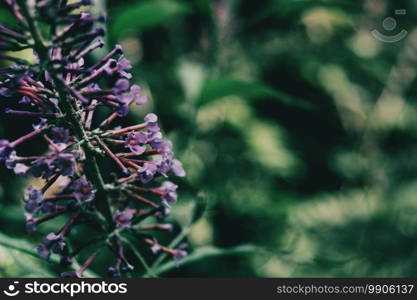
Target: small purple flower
124	218
48	207
147	172
54	242
125	99
164	212
65	164
25	100
5	149
123	109
178	255
5	92
43	251
20	169
54	101
41	168
158	144
135	141
11	161
134	95
139	98
40	125
121	86
169	192
60	135
177	168
164	164
83	191
119	66
156	247
33	199
151	121
123	64
30	223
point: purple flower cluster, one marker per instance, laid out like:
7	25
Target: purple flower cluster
62	93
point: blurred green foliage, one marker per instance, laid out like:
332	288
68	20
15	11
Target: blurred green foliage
296	126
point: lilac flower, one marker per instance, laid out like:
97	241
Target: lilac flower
179	255
169	192
60	135
83	191
122	65
147	172
134	95
5	92
123	109
48	207
164	164
40	125
124	218
158	144
54	101
33	199
135	141
125	99
64	90
177	168
41	167
20	169
54	242
164	211
30	223
25	100
156	247
151	121
11	161
43	252
5	149
120	86
64	164
138	97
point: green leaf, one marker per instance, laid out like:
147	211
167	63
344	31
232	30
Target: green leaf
137	18
216	88
7	18
23	246
17	244
206	252
29	249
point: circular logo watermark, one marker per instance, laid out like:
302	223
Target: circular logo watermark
389	24
11	290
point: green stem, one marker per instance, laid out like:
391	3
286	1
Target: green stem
39	45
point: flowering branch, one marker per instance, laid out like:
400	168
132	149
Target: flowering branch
63	93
